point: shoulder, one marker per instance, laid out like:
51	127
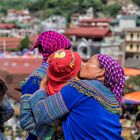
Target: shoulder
39	73
97	90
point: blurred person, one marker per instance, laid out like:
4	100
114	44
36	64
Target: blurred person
89	108
6	110
47	43
136	130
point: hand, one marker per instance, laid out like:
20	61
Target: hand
43	83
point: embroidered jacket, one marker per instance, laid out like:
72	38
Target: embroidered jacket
29	87
89	110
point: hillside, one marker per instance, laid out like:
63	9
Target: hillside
45	8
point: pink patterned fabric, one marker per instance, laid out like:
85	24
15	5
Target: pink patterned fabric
114	75
51	41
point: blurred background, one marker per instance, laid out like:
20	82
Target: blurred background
110	27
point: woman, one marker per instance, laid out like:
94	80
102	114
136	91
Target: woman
47	43
90	108
6	110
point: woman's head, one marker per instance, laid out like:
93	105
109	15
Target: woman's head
105	68
92	69
51	41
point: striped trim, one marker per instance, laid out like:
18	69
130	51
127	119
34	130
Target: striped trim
27	121
49	109
37	96
96	90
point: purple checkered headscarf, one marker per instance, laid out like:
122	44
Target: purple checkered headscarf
50	42
114	75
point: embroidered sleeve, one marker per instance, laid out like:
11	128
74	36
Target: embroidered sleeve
31	86
6	110
27	121
39	73
48	110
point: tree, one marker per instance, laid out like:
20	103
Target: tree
136	2
24	44
112	10
132	84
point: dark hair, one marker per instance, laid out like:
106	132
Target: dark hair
3	87
138	117
40	48
68	48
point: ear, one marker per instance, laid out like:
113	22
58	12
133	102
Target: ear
100	74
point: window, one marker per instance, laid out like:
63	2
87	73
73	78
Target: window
131	46
137	57
131	35
137	47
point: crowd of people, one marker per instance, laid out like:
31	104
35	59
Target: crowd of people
66	98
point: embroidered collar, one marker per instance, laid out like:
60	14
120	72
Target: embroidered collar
98	91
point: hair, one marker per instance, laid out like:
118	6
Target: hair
3	88
138	117
40	48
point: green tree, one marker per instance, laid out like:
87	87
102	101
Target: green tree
25	43
136	2
132	84
112	10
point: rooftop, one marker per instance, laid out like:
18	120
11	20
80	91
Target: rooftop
103	20
88	32
19	65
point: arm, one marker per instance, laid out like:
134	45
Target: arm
27	121
50	109
6	110
28	87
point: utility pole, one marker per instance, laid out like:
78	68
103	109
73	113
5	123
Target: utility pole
4	46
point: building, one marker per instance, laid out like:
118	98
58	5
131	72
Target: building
12	43
18	15
132	47
123	22
54	23
76	17
92	36
14	70
7	29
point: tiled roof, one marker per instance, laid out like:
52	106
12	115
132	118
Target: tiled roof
19	65
88	31
103	20
12	42
7	26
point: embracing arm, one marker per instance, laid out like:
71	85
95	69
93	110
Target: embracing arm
27	121
53	107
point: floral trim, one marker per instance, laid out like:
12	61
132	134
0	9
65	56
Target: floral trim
99	93
40	73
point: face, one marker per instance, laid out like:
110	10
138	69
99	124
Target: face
91	69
